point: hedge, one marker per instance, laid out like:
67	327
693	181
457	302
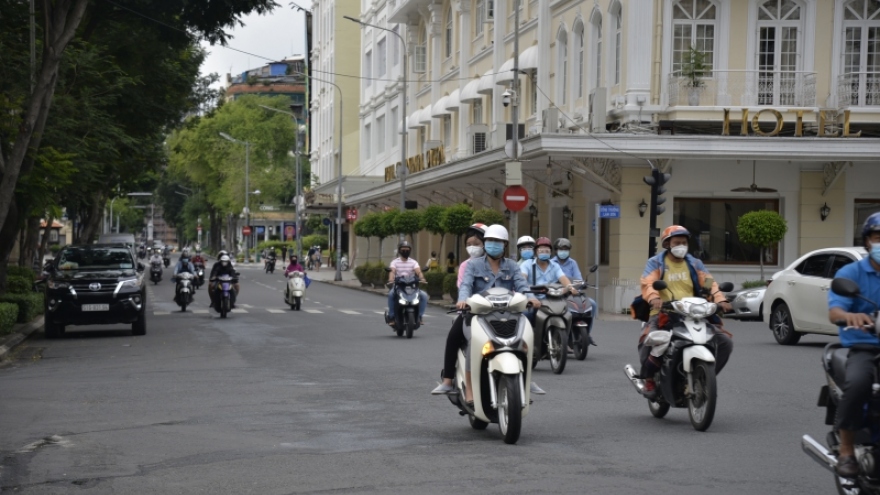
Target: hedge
435	284
315	239
18	284
291	245
20	271
450	286
8	315
30	305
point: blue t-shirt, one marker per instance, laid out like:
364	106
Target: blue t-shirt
549	276
864	274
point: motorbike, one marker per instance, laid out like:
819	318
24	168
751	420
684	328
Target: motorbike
406	309
166	260
867	439
343	263
183	292
155	272
580	337
499	358
199	279
270	265
687	371
296	290
227	294
552	324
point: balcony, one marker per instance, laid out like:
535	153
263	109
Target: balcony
858	89
745	88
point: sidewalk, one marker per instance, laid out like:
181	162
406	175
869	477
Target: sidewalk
20	332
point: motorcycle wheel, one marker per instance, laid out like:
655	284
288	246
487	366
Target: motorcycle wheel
477	424
559	353
297	302
701	404
658	409
509	408
183	308
224	308
580	343
399	329
410	324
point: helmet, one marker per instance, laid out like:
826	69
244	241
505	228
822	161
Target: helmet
543	241
673	231
872	224
222	253
563	243
497	232
525	240
404	244
477	229
224	259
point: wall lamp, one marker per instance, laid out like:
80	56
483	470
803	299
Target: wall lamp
824	211
643	207
507	214
566	212
533	210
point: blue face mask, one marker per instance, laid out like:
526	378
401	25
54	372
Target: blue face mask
563	255
494	248
527	254
875	252
544	256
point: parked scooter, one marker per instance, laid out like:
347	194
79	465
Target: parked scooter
687	371
406	309
227	294
155	272
343	263
867	443
580	337
183	291
552	326
296	290
499	358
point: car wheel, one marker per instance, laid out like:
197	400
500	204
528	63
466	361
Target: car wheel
139	327
782	327
52	330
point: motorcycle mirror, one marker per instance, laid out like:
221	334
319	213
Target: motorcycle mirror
659	285
845	287
387	270
725	287
594	268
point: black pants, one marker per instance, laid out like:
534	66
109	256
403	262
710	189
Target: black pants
723	349
454	341
856	389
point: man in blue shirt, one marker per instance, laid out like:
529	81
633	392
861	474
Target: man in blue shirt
541	270
570	268
864	345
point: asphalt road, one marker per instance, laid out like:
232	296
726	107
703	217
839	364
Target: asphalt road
270	401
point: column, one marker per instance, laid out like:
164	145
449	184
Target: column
435	29
638	29
498	119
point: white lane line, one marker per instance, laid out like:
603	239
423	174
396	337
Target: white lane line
276	311
161	313
349	312
201	311
313	311
239	311
379	312
246	306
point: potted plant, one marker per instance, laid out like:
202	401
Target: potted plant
435	284
693	70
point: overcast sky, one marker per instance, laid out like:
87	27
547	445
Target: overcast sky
277	35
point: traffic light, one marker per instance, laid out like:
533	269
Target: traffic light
657	180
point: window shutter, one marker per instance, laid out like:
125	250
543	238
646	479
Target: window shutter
420	59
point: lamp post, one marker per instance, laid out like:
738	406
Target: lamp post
247	164
402	171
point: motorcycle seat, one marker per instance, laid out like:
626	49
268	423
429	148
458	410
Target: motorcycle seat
834	361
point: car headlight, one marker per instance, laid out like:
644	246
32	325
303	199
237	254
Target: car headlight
132	284
57	285
751	295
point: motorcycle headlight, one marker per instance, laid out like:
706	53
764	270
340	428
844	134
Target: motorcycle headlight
57	285
402	301
416	300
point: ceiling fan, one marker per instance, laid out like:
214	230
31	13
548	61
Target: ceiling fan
754	187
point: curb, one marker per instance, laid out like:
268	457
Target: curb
20	332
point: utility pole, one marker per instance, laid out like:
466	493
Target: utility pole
514	113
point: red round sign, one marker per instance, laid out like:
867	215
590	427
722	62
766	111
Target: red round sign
246	230
516	198
199	228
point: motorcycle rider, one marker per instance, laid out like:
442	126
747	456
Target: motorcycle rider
222	267
491	270
156	257
570	267
271	256
183	265
197	258
543	271
863	346
404	266
526	247
686	276
474	246
294	266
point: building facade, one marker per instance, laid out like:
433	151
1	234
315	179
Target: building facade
748	104
274	79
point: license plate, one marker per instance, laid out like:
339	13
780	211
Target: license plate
96	307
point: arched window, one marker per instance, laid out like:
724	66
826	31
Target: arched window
449	32
694	25
479	17
578	65
618	14
562	67
596	49
779	49
861	52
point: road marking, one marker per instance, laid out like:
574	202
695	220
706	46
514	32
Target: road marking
276	311
161	313
379	312
246	306
238	311
201	311
313	311
349	312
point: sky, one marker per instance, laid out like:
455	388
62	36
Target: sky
275	36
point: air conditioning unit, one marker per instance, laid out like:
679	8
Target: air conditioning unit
479	137
550	117
598	111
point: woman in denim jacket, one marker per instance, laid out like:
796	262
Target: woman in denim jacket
492	270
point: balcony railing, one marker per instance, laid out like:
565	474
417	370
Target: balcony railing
745	88
858	89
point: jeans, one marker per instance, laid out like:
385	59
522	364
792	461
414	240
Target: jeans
856	389
392	301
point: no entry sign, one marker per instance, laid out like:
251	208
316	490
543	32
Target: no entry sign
516	198
246	230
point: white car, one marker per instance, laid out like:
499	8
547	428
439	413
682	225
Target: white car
796	301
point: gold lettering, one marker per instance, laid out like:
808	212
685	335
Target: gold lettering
799	125
744	127
846	126
821	131
757	128
725	131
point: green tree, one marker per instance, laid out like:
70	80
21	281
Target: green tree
408	222
432	219
489	216
366	227
762	228
385	228
456	220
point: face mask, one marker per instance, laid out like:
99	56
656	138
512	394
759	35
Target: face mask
679	251
475	251
494	248
294	261
875	252
563	255
224	263
544	256
404	254
527	254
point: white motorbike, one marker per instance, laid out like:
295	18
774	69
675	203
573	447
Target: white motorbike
183	293
296	290
499	357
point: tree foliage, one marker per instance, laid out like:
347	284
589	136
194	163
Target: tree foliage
408	222
489	216
457	218
762	228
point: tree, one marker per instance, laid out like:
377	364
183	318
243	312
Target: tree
456	220
432	218
762	228
386	228
408	222
489	216
366	227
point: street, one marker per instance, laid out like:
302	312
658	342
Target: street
271	401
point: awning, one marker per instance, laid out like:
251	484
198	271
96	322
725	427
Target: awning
469	93
528	59
425	115
412	121
487	84
452	102
439	108
505	73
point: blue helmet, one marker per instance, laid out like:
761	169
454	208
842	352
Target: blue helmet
872	224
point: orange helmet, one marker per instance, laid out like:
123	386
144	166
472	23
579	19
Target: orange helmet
673	231
544	241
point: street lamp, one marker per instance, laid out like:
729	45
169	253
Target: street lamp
403	171
247	164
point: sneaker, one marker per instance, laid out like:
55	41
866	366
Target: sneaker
443	390
650	390
847	467
533	388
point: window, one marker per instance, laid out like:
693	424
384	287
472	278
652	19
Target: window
617	41
839	262
490	9
380	134
380	57
395	52
779	22
562	67
479	18
579	63
420	59
53	236
712	224
863	209
693	25
814	266
477	108
449	22
861	52
367	139
447	130
597	51
368	68
395	121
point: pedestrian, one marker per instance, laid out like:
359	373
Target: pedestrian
284	252
450	262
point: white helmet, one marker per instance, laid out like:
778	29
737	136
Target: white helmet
526	239
496	232
224	260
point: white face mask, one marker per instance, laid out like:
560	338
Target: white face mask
475	251
679	251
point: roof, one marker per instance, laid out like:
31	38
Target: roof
55	224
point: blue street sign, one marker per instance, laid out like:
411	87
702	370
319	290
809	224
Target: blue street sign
326	221
609	211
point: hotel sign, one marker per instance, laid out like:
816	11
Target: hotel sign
780	120
416	163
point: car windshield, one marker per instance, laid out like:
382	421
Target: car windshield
95	258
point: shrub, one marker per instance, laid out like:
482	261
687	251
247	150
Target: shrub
20	271
762	228
751	284
17	284
8	315
315	239
489	216
276	244
378	275
30	305
435	284
362	273
450	285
